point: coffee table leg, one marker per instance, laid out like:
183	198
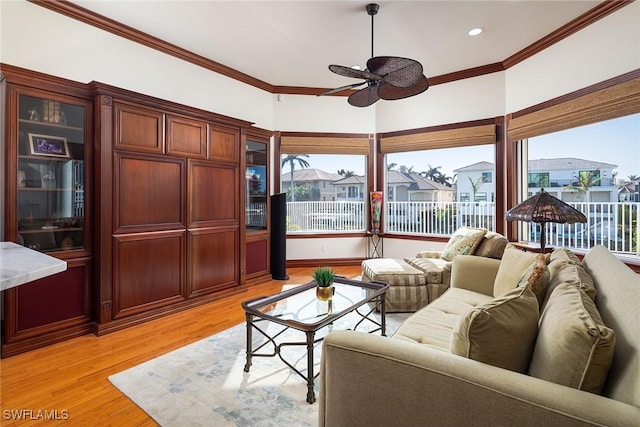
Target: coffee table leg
249	341
311	396
383	317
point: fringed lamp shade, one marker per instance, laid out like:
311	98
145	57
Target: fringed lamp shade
541	208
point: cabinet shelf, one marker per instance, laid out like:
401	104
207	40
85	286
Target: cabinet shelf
54	229
48	124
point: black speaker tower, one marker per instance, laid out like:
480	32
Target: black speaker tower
279	237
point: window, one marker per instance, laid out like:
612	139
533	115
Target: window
580	167
325	192
480	197
539	179
439	190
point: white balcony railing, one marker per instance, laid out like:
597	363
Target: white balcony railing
325	217
614	225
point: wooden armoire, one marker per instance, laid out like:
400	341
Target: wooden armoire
170	228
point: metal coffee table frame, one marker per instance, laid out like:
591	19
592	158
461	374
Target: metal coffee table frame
375	293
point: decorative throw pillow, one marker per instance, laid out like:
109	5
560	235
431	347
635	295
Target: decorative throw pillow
512	266
501	332
537	277
464	241
491	245
574	347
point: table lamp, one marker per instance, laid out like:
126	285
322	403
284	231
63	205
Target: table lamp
541	208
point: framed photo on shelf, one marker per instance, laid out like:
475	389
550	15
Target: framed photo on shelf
45	145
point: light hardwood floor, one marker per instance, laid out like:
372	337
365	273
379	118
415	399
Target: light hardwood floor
72	376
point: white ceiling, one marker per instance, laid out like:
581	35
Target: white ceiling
291	43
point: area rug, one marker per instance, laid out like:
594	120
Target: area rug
204	383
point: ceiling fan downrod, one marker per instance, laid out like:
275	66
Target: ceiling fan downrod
372	9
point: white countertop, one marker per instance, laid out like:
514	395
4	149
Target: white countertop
19	265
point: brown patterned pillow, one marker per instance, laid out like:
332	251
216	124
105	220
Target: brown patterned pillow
537	277
463	242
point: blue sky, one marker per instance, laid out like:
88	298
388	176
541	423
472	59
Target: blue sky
615	141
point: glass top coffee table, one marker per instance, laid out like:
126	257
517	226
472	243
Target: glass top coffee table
298	308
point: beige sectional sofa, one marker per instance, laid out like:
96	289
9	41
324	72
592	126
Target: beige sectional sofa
526	341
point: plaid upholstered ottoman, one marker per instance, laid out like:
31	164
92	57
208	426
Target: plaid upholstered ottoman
407	285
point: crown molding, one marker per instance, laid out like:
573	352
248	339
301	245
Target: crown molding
79	13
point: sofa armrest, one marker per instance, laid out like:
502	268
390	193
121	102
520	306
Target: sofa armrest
474	273
428	254
369	380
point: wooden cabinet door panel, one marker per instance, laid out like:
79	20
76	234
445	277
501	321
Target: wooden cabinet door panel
224	144
148	271
186	137
213	194
213	260
52	302
257	256
138	128
149	192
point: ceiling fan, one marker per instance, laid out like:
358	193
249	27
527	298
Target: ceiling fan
386	77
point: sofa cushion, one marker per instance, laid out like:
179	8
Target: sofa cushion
431	267
573	273
500	332
574	347
463	241
392	271
513	265
492	245
617	301
434	324
560	255
537	277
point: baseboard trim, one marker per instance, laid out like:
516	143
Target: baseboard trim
323	261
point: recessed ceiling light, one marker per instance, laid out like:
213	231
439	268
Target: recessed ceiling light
475	31
355	67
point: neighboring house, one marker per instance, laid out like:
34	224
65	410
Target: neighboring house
312	179
559	177
479	175
351	188
629	191
405	186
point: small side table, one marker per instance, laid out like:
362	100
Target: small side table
375	245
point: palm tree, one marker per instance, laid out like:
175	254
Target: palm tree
633	177
445	179
475	185
292	159
433	173
585	181
345	173
391	166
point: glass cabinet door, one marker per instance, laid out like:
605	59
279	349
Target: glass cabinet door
51	175
256	186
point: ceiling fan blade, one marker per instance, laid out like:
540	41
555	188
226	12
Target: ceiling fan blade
364	97
341	88
352	72
391	92
401	72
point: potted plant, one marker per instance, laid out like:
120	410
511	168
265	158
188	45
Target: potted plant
324	277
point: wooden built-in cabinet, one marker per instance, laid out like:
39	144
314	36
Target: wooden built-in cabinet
256	260
169	206
143	198
47	205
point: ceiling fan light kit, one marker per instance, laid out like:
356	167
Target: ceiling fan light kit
386	77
